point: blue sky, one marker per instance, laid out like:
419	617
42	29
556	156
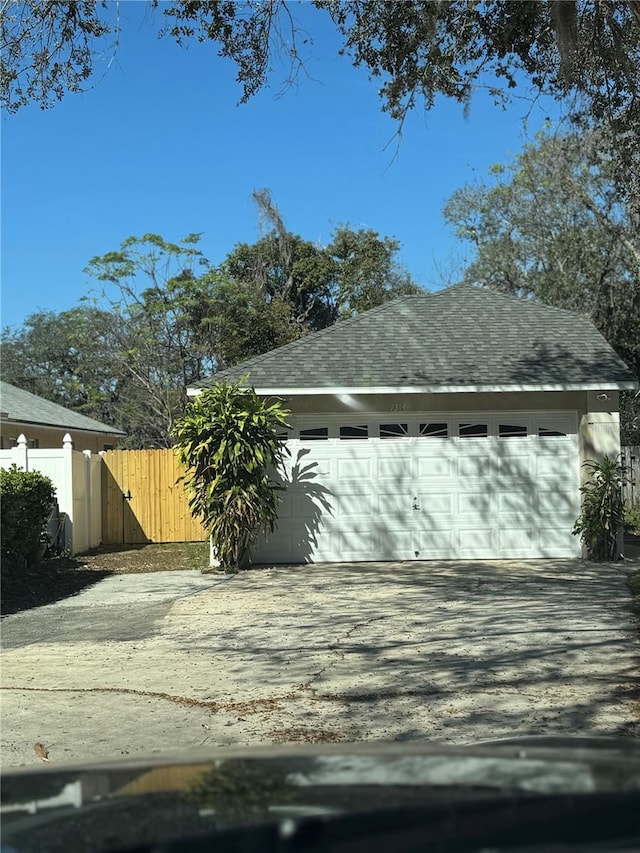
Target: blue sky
159	145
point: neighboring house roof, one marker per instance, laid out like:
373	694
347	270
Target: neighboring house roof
22	407
463	338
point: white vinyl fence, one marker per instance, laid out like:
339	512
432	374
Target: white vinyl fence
77	479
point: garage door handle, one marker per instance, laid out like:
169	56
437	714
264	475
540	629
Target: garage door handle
416	505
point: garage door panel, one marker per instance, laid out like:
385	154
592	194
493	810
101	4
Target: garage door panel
355	468
303	499
306	460
316	503
557	542
473	467
395	506
433	468
285	508
554	502
435	503
353	488
358	538
516	541
353	505
515	501
310	469
474	503
394	470
310	478
435	543
562	485
515	468
551	465
291	542
394	540
475	541
516	521
275	548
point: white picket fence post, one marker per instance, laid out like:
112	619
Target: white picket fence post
89	495
21	453
65	494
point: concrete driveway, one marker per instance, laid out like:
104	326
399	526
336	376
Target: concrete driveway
447	652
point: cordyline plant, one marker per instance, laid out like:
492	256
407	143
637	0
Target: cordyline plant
228	442
602	516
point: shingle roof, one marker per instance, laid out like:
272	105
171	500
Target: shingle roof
25	407
461	337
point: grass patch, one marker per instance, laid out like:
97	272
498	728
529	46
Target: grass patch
139	559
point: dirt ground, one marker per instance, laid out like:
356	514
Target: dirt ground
148	663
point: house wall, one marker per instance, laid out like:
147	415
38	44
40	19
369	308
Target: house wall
53	437
599	427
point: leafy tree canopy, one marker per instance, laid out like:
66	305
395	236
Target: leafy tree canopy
414	48
587	50
281	287
60	357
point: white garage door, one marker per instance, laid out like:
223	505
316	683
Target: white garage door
429	487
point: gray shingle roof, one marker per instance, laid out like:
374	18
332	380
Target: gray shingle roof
24	407
461	337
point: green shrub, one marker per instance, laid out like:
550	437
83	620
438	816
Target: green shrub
25	504
228	442
632	518
602	516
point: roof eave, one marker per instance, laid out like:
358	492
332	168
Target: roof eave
627	385
30	423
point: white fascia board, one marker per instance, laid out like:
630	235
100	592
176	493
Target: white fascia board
447	389
438	389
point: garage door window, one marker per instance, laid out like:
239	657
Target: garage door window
314	434
393	430
434	430
512	431
473	430
544	432
351	432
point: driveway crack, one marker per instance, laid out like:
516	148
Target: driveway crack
334	648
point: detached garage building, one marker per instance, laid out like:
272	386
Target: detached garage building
447	425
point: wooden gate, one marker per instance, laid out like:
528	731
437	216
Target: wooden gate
141	501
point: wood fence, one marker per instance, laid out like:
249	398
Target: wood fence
631	459
141	501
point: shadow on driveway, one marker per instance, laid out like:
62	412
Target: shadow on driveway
46	583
